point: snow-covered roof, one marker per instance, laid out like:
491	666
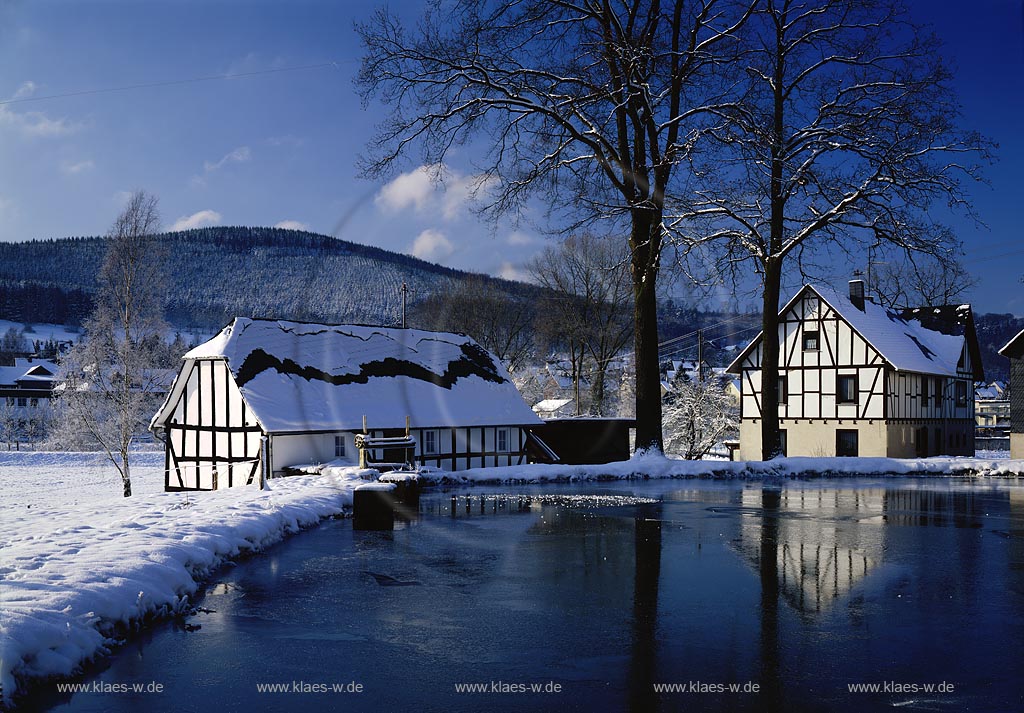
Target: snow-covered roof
550	404
1014	348
21	371
903	342
315	377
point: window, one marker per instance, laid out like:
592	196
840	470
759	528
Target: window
783	389
961	393
430	442
846	443
937	385
847	390
33	403
22	402
339	446
783	442
811	341
924	392
502	440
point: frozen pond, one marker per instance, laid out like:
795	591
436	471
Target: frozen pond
802	589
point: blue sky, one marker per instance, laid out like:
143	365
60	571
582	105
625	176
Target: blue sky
280	147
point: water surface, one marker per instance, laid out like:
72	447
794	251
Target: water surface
798	588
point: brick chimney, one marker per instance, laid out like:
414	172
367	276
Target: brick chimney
857	294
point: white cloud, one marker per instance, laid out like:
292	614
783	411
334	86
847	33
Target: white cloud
291	225
431	245
34	123
414	188
517	237
239	155
508	271
26	89
196	220
434	189
70	169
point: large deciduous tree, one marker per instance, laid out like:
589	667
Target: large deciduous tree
587	104
588	277
112	379
846	137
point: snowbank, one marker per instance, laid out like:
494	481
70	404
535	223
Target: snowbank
77	571
655	465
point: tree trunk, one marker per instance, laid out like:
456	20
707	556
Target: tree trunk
126	475
770	443
597	390
645	242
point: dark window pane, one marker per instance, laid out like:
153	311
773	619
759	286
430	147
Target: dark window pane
846	443
847	389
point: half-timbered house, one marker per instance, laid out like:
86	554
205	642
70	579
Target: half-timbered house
1014	351
856	379
266	395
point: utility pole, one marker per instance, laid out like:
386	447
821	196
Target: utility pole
405	292
700	356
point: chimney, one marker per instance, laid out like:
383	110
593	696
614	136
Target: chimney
857	294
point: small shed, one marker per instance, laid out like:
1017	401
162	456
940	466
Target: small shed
1014	351
587	440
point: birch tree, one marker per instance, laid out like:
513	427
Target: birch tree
112	379
586	105
847	136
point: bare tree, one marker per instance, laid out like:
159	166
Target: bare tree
111	379
586	105
922	283
10	421
497	320
847	136
590	281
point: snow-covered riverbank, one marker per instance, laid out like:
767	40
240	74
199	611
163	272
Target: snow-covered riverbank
658	466
80	564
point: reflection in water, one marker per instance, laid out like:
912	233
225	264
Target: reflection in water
647	574
798	540
932	507
771	685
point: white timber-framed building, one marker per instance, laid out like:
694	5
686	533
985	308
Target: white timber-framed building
856	379
1014	351
264	396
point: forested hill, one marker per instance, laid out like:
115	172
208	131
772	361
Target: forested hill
219	273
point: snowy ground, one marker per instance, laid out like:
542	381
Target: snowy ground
658	466
80	564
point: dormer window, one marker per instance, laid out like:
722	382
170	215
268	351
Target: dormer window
811	340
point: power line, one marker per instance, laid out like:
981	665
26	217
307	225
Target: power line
170	82
710	326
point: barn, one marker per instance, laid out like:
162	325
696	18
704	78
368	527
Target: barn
264	396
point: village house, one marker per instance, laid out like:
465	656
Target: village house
264	396
28	385
1014	351
856	379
